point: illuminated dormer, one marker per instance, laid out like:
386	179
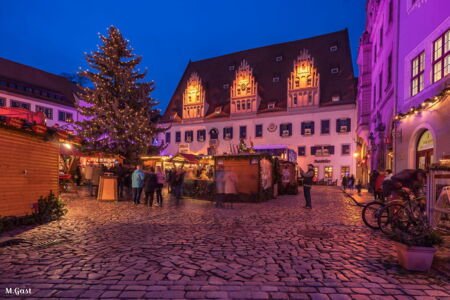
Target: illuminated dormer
194	98
244	91
303	83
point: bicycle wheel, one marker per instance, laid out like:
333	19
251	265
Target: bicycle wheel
370	214
393	216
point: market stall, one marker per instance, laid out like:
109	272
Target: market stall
438	194
288	178
253	173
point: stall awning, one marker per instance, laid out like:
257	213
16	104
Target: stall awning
190	158
72	151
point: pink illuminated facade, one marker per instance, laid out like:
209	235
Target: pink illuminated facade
400	66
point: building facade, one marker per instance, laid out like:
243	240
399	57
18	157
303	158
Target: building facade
377	86
403	60
423	109
296	99
35	90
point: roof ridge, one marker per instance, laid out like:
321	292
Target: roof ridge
271	45
34	68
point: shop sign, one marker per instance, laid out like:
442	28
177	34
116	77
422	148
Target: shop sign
320	161
425	141
183	148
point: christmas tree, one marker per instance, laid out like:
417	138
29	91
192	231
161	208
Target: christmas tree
120	114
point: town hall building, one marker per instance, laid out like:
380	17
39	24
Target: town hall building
295	100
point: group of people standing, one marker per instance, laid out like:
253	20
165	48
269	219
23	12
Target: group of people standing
151	182
349	182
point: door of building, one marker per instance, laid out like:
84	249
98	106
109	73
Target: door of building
425	151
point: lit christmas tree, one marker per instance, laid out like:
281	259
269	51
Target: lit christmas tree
120	114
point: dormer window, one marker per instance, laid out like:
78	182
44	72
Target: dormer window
335	70
271	105
333	48
231	68
218	110
279	58
276	79
226	86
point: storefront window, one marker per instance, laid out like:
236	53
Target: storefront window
328	172
345	171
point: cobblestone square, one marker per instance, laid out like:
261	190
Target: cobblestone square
271	250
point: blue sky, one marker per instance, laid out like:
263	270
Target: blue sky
53	35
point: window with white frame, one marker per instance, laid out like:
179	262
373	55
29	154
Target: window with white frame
20	104
48	112
64	116
2	102
417	72
441	56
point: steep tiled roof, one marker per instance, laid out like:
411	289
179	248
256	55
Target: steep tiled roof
29	81
214	73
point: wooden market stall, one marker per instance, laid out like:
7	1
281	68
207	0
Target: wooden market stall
254	173
29	170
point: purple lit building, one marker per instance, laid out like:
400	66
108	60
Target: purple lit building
398	55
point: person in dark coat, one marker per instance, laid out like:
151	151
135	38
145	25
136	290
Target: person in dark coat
150	183
373	177
78	175
351	182
121	172
344	182
307	183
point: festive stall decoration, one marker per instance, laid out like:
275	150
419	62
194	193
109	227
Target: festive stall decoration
425	105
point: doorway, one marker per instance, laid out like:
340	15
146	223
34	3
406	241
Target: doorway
425	151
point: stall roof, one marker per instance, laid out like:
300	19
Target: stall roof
190	158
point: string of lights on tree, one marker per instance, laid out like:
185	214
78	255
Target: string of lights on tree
119	110
425	105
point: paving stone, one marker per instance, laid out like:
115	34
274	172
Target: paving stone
197	251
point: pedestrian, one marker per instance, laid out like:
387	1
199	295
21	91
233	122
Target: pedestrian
379	187
78	175
373	177
88	176
220	186
388	175
137	183
351	182
307	183
359	186
96	173
230	186
150	182
178	183
160	179
344	182
120	172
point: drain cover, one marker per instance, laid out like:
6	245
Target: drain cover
49	243
312	233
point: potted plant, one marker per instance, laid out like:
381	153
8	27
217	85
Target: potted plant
415	249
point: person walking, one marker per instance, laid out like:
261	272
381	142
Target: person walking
88	176
344	182
78	175
230	186
359	186
351	182
96	173
379	187
137	183
160	178
179	180
307	183
120	171
150	182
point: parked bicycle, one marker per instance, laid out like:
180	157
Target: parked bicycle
402	214
371	212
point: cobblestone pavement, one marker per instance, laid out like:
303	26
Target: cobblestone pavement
271	250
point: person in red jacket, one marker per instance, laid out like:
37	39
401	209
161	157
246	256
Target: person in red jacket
379	187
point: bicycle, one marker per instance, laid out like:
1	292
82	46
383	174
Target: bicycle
370	214
401	214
